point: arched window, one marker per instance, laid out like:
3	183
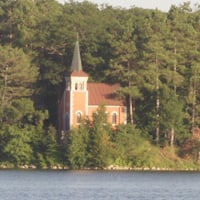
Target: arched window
81	86
76	86
78	117
114	118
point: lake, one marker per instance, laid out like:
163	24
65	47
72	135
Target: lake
98	185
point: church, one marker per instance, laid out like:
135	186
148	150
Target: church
81	99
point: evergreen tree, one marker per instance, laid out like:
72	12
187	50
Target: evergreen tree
16	146
153	64
99	140
17	74
77	146
172	116
124	63
129	146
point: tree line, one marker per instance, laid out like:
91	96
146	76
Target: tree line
154	55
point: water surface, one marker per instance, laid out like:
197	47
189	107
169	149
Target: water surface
98	185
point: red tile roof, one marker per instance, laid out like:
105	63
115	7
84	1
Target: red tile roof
101	93
79	74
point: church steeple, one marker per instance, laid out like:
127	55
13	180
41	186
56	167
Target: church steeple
76	60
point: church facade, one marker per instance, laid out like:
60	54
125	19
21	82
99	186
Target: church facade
81	99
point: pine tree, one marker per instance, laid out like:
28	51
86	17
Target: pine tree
17	74
77	145
99	140
124	63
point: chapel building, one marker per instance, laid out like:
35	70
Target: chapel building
81	99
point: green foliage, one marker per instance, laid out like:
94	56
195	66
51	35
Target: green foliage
50	145
99	139
153	55
77	147
171	112
17	74
89	145
23	137
15	145
45	147
128	145
22	113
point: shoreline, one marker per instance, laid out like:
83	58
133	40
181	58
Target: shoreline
109	168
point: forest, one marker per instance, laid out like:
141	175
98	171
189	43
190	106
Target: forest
154	55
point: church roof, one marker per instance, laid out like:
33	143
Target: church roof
76	66
101	93
76	60
78	74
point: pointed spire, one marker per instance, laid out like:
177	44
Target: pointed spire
76	61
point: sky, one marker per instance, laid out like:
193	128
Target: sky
163	5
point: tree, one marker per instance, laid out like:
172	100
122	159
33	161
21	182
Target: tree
99	140
17	126
124	63
16	146
153	62
17	74
172	115
23	137
77	146
131	148
192	72
49	55
18	23
50	146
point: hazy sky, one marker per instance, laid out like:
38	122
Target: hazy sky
163	5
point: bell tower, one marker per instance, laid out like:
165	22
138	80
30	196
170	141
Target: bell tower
76	93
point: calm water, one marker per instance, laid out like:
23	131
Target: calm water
98	185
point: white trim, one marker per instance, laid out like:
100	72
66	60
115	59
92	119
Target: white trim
71	109
64	110
86	102
79	111
126	114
